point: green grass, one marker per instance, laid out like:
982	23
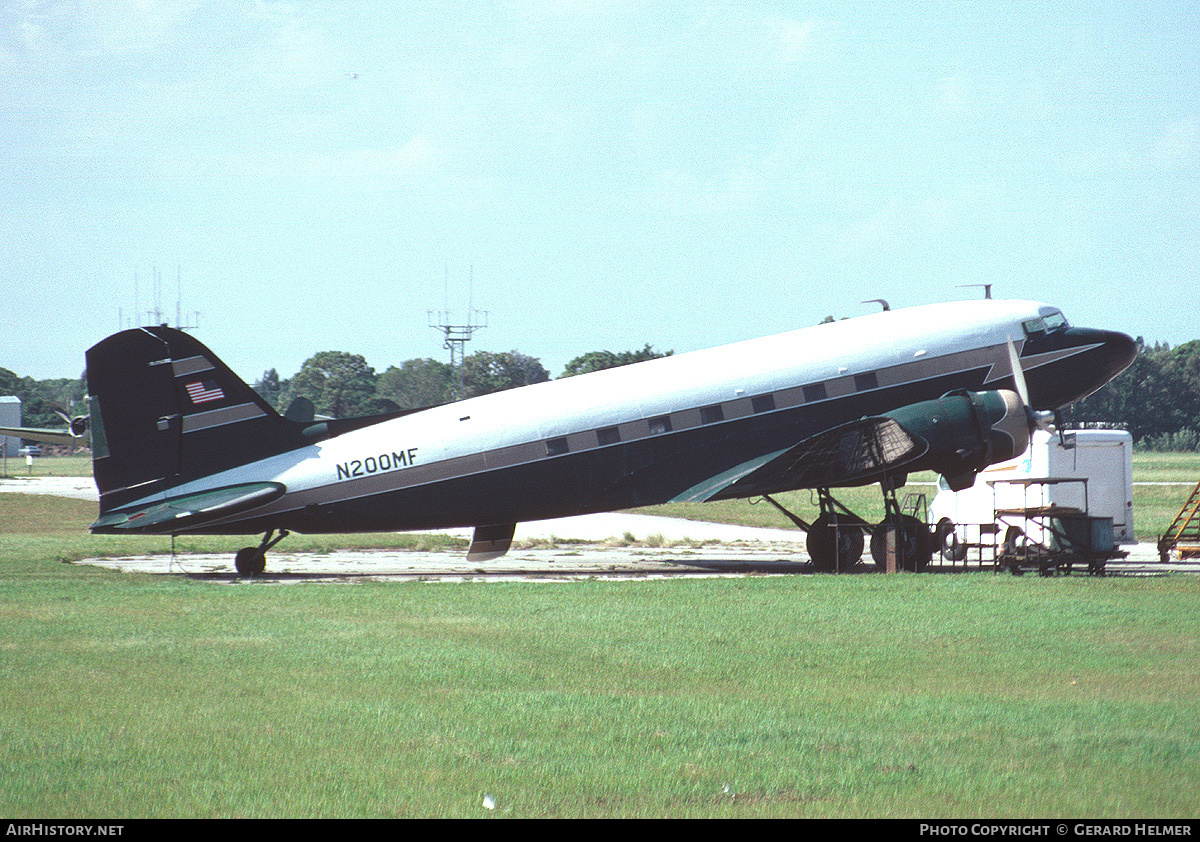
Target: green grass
33	525
974	695
49	466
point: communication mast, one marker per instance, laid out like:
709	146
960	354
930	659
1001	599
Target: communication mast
154	316
457	335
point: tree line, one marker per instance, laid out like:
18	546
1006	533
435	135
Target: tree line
1157	399
40	398
342	385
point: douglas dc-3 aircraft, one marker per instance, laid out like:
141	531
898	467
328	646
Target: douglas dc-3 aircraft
181	445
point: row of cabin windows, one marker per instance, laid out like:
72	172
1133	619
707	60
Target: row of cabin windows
712	414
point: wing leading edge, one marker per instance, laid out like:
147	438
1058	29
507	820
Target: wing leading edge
957	435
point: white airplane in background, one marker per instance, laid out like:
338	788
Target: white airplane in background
181	445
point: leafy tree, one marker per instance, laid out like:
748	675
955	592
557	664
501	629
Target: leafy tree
10	383
600	360
269	386
1157	399
485	372
339	384
416	383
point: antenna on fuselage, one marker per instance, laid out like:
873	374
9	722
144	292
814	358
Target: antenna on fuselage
458	335
987	288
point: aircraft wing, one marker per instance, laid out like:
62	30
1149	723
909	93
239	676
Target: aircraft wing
42	435
180	513
855	453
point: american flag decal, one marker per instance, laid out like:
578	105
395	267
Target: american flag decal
201	392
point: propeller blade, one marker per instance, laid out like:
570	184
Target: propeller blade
1018	374
1040	420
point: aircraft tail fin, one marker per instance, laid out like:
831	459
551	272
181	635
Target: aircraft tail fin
165	410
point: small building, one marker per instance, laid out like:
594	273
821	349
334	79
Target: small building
10	416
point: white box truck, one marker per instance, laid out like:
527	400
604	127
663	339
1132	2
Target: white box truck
1102	457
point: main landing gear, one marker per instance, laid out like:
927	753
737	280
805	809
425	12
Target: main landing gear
252	561
837	537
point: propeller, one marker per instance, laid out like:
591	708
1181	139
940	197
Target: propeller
77	425
1043	420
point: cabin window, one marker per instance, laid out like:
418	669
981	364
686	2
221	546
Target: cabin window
863	382
608	435
659	425
815	392
556	447
711	414
762	403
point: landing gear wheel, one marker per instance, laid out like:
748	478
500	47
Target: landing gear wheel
912	544
946	539
250	561
835	550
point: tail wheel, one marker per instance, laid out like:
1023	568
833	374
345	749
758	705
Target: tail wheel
835	543
250	561
913	541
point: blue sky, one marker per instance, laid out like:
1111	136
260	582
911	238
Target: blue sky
319	175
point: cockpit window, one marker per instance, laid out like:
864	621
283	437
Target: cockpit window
1034	327
1054	321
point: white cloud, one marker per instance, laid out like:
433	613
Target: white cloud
1176	145
793	38
410	156
953	92
118	26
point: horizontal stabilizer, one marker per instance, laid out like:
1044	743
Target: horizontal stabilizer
851	454
177	514
491	542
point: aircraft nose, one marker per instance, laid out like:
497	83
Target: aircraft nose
1116	353
1100	356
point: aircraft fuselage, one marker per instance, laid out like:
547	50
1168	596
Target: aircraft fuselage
683	427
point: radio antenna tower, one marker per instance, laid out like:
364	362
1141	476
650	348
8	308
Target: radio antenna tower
155	315
457	335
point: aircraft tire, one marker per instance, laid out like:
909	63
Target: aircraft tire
912	545
835	555
250	561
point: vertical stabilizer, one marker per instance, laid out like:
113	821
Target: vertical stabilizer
166	410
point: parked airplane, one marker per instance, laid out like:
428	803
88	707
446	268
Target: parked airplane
75	434
181	445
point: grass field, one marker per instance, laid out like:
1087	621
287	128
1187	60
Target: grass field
972	695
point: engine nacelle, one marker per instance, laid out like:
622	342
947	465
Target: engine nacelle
966	432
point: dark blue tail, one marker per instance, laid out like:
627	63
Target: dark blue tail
166	410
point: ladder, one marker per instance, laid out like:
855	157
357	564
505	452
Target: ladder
1184	532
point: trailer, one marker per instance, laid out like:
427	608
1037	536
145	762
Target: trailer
1067	499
